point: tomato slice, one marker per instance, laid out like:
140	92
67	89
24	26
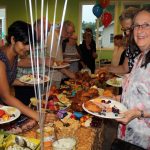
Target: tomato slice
2	112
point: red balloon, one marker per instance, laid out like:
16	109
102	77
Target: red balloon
106	19
104	3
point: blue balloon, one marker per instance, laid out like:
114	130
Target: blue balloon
97	10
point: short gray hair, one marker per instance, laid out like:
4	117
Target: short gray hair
128	13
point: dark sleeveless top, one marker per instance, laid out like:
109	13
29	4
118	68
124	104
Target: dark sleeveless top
11	72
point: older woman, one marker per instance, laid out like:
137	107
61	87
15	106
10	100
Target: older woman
136	89
17	45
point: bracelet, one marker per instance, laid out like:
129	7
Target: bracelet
142	114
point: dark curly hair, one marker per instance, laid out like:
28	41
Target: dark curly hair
21	31
132	43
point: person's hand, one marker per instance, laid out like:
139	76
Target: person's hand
94	55
129	115
116	98
101	69
48	62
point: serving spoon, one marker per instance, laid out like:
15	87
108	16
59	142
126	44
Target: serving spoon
21	142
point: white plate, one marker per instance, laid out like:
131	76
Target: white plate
109	115
116	82
10	110
30	79
70	54
119	75
71	59
60	66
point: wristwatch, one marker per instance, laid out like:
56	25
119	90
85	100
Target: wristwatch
142	114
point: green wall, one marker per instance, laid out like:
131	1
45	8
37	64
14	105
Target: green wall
16	10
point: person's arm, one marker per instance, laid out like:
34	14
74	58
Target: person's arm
132	114
24	62
9	99
121	69
68	73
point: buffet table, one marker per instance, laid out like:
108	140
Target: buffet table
88	137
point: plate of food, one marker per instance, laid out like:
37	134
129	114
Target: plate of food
8	114
60	65
54	103
105	108
71	59
116	82
33	79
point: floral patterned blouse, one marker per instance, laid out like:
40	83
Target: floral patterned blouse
136	94
10	71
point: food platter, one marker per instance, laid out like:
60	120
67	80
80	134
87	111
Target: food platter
11	112
56	103
107	106
116	82
61	66
33	79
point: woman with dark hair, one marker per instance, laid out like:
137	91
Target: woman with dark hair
18	42
135	125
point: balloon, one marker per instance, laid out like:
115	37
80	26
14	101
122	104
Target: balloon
97	10
104	3
106	19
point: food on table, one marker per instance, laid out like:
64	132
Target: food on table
55	102
64	131
85	121
25	126
64	144
85	138
48	136
15	142
89	105
83	96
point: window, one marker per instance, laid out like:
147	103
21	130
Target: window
2	23
135	3
102	35
111	38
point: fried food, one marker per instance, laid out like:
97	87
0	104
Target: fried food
108	93
89	105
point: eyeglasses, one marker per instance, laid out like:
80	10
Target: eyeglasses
144	26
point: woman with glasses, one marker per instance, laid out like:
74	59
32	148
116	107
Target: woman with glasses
70	52
126	20
135	125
